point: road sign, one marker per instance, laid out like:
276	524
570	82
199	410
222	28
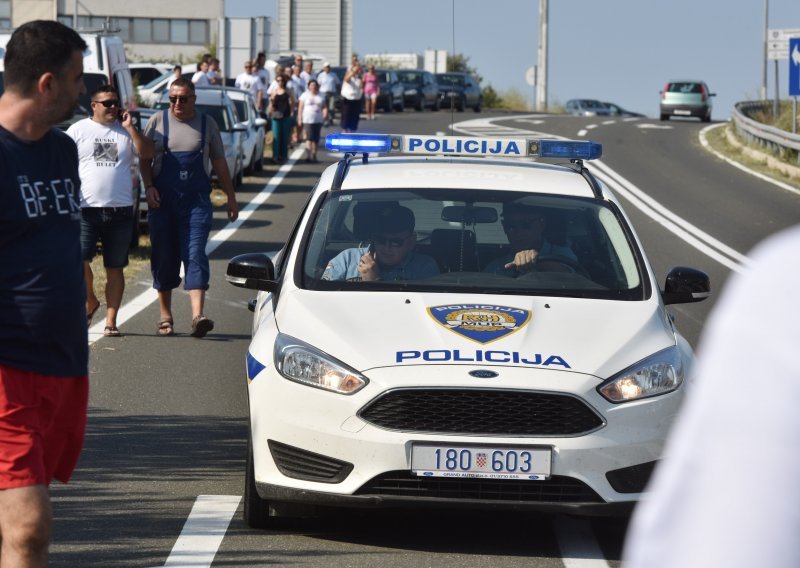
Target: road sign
778	42
794	67
530	76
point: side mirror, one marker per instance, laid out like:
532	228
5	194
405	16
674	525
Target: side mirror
686	285
240	127
254	271
260	122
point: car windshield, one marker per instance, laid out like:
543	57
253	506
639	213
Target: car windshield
450	80
158	80
409	77
463	241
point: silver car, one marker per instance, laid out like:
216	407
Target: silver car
256	128
686	98
586	107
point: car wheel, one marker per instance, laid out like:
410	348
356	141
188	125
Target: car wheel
462	104
389	105
707	117
259	159
248	169
256	509
478	106
436	103
401	106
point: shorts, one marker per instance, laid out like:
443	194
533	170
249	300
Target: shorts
372	96
113	227
42	426
312	131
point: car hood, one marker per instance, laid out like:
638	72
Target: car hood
381	329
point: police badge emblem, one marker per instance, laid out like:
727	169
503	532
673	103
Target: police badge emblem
480	323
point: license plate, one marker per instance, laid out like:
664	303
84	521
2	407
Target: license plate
682	112
485	462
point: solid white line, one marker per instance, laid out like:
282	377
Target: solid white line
203	531
143	300
578	546
707	146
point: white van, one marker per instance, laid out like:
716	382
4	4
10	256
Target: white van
104	62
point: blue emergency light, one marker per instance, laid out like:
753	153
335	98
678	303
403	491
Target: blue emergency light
352	143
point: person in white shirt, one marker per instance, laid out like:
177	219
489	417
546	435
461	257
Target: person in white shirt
328	88
308	72
311	114
106	152
247	81
726	492
264	80
176	72
200	78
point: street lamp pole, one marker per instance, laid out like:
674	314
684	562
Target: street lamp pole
764	68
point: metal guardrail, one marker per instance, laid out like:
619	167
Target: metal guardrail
781	142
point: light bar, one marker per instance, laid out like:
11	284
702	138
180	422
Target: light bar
464	146
358	143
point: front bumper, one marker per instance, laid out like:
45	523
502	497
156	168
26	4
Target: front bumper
323	429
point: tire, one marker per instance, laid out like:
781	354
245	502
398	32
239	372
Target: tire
478	106
401	106
249	168
664	117
256	509
388	106
462	104
258	165
436	104
707	117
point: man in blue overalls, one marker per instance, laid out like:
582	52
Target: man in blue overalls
179	204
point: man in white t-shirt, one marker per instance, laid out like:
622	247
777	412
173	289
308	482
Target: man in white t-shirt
264	80
248	80
200	78
106	151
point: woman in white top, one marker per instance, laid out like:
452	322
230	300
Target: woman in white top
311	113
351	98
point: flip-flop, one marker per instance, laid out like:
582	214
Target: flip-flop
111	331
90	315
165	328
201	325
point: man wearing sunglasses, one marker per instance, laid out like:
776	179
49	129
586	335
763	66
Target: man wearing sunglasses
187	145
525	226
389	256
106	151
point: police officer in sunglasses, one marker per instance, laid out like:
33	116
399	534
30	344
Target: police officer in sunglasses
389	254
529	250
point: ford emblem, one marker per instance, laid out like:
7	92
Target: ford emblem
483	374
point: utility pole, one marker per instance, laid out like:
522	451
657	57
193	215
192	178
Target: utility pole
764	69
541	79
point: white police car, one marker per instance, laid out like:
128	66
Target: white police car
448	329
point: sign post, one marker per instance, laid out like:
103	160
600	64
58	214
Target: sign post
794	77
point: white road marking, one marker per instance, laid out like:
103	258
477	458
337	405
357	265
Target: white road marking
203	531
578	546
692	235
582	132
651	126
592	126
704	142
609	121
143	300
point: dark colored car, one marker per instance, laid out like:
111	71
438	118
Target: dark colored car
616	110
392	91
420	87
459	90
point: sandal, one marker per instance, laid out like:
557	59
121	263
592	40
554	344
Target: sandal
111	331
165	328
201	325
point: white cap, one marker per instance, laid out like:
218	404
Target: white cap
326	64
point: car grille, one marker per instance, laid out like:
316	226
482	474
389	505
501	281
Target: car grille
557	489
301	464
481	412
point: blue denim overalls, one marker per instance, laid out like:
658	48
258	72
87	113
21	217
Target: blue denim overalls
179	228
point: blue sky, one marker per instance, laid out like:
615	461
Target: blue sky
616	50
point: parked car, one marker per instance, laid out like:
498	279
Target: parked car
143	73
616	110
686	98
586	107
392	91
420	87
459	90
253	143
152	91
218	105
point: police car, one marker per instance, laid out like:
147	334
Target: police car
457	321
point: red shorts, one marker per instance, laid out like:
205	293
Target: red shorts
42	424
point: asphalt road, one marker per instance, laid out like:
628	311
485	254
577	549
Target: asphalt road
168	415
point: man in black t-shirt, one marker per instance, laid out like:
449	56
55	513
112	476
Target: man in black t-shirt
43	331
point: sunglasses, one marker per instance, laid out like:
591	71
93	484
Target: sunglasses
108	104
182	100
389	241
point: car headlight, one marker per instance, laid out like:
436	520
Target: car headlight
658	374
411	92
300	362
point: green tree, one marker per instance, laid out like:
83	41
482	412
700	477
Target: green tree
491	99
459	63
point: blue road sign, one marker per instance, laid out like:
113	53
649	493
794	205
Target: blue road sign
794	67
